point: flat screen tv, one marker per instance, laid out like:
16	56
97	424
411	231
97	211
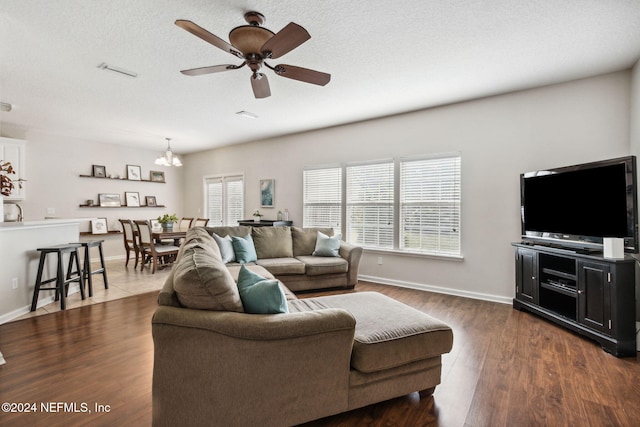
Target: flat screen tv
577	206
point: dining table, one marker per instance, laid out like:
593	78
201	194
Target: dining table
176	235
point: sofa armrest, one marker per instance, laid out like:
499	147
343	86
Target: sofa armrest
352	254
246	369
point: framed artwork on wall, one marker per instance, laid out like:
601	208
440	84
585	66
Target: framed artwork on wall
109	200
267	193
134	173
150	200
132	198
99	171
99	226
156	176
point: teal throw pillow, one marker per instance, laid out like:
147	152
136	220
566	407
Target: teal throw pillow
226	248
327	246
260	295
244	249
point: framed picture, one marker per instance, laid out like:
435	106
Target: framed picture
132	198
267	193
134	173
99	171
99	226
156	176
150	200
155	225
109	200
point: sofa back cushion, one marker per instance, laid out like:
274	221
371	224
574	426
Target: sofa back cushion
238	231
201	280
272	242
201	236
304	239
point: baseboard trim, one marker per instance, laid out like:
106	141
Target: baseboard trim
8	317
437	289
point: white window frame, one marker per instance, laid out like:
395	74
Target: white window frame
438	237
226	218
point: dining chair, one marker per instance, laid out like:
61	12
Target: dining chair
130	240
200	222
158	255
184	224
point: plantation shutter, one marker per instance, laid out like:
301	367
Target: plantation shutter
430	205
225	200
322	198
370	201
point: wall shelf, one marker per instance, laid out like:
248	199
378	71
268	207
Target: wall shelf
120	207
122	179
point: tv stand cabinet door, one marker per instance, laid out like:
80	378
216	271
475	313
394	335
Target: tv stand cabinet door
594	296
527	275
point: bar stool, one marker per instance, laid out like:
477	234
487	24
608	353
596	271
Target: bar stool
87	272
62	280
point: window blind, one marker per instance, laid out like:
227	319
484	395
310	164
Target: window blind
322	198
430	205
225	200
370	202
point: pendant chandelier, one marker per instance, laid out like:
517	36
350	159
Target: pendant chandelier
168	158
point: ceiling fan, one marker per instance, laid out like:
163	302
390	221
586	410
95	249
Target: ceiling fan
255	44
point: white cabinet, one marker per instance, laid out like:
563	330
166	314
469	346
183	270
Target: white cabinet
13	150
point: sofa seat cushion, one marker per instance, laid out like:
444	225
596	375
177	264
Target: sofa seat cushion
316	266
282	266
388	333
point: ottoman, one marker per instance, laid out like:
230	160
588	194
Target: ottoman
396	349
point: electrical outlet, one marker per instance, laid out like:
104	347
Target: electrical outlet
379	260
51	211
14	283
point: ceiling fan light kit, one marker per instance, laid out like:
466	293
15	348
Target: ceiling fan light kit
255	44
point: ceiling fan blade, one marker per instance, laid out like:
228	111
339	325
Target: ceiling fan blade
287	39
302	74
209	70
260	85
205	35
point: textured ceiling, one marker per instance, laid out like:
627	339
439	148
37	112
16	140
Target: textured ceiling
384	57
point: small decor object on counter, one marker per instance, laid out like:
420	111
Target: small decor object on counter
150	200
109	200
286	214
155	225
99	171
89	202
267	193
99	226
279	215
156	176
257	216
166	221
132	198
134	173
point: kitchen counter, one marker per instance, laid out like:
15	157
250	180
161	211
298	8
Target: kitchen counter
19	258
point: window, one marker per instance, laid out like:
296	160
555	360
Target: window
430	205
224	199
407	204
322	198
370	204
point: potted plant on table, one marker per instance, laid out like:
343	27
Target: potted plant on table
167	221
257	216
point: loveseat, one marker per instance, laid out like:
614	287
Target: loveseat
288	254
216	362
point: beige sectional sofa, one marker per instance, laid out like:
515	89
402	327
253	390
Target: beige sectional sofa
216	364
286	252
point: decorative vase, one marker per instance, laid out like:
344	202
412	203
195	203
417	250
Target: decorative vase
167	226
256	219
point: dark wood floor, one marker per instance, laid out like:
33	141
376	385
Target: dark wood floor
507	368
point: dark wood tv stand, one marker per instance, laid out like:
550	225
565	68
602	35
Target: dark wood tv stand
586	293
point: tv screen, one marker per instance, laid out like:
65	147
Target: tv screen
582	204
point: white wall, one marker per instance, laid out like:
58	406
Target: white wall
499	138
53	166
